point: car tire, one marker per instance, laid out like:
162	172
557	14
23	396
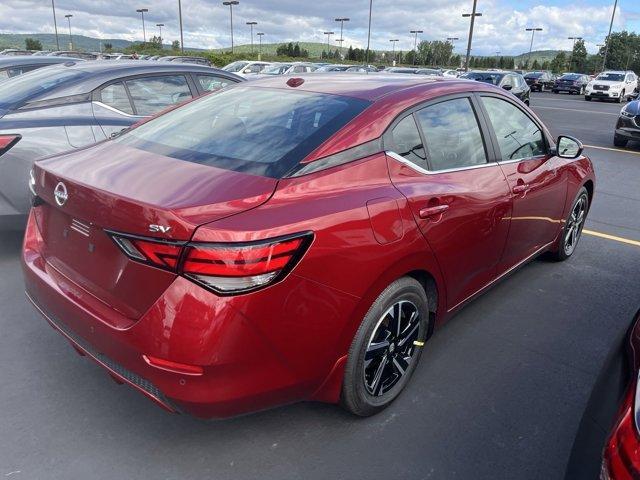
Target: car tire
587	98
573	225
381	361
622	95
555	91
619	141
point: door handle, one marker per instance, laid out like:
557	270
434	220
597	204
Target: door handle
432	211
520	188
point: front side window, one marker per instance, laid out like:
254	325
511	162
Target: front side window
452	135
518	136
152	94
116	97
407	142
211	83
255	130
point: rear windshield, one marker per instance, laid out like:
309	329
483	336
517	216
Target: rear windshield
260	131
533	75
487	77
236	66
570	76
18	90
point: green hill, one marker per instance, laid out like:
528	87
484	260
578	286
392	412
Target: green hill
540	55
315	49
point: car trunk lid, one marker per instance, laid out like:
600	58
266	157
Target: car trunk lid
113	188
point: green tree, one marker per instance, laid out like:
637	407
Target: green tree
175	45
535	65
578	60
33	44
107	46
559	63
155	42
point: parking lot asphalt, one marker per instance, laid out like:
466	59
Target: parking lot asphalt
499	392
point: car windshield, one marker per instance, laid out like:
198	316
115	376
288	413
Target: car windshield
24	87
570	76
487	77
611	77
533	75
260	131
236	66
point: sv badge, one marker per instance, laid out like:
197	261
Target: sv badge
159	228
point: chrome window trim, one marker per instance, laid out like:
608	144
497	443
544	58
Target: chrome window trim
518	160
113	109
418	169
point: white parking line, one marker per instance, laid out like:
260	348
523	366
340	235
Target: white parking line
613	149
583	102
576	110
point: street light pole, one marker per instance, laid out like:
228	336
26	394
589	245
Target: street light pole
144	33
473	16
533	32
260	35
68	17
393	42
328	34
415	43
451	40
369	33
180	16
251	24
231	4
160	25
341	20
606	42
55	23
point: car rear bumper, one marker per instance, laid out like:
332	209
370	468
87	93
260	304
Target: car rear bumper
628	127
243	370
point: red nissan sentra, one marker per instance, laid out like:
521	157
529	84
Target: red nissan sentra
295	239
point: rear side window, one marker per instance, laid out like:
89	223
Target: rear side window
407	142
256	130
211	83
152	94
116	97
452	135
518	136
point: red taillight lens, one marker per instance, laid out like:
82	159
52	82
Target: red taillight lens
174	367
622	452
159	254
225	268
8	141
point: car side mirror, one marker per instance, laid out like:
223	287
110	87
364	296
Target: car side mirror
507	87
246	70
568	147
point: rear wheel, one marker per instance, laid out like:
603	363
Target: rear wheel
386	348
619	99
573	225
587	98
555	91
619	141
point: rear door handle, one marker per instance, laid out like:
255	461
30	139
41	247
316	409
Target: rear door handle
520	188
433	211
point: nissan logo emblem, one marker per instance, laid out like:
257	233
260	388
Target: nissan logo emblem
60	193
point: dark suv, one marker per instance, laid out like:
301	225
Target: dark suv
539	81
510	81
573	83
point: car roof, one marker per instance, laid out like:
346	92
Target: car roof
10	61
101	72
371	87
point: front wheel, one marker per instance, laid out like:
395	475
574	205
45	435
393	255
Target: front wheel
619	141
386	348
573	225
587	98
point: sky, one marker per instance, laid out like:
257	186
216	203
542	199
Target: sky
206	22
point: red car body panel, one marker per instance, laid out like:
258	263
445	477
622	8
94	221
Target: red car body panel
289	341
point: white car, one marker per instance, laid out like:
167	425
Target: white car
450	73
246	67
615	85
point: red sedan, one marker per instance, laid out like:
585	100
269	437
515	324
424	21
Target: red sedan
295	239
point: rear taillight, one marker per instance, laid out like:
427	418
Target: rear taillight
8	141
622	452
225	268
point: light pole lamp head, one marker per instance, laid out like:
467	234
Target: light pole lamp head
159	24
68	15
536	29
230	3
329	33
252	23
142	10
260	34
416	31
470	15
343	19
